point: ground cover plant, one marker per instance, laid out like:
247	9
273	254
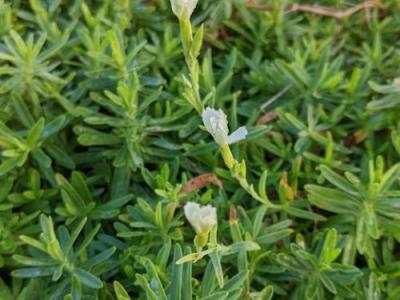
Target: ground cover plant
183	149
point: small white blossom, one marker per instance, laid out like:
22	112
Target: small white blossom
203	219
216	124
183	8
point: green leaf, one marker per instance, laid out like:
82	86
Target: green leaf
89	236
388	102
236	282
120	182
208	282
187	258
273	237
392	88
176	282
8	164
120	292
76	289
34	243
53	126
31	261
241	246
88	279
262	185
338	181
187	278
329	251
74	235
98	139
333	200
33	272
217	296
216	262
42	158
389	178
267	293
150	294
22	110
328	283
303	214
60	156
35	133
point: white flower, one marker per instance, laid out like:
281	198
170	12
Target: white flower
217	125
183	8
203	219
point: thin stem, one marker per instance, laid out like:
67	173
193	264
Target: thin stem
317	9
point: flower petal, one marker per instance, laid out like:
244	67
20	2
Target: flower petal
216	124
207	114
202	218
208	218
191	210
237	135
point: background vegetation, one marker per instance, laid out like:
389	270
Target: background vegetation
101	146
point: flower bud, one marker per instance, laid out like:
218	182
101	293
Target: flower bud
183	9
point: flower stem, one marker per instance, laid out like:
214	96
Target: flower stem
238	171
227	156
191	48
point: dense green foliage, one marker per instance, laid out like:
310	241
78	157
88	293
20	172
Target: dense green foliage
102	143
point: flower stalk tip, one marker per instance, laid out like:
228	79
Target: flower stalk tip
183	9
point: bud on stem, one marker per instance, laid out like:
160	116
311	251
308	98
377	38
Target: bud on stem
186	34
227	156
200	240
183	9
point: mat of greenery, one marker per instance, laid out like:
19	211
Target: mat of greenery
210	149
